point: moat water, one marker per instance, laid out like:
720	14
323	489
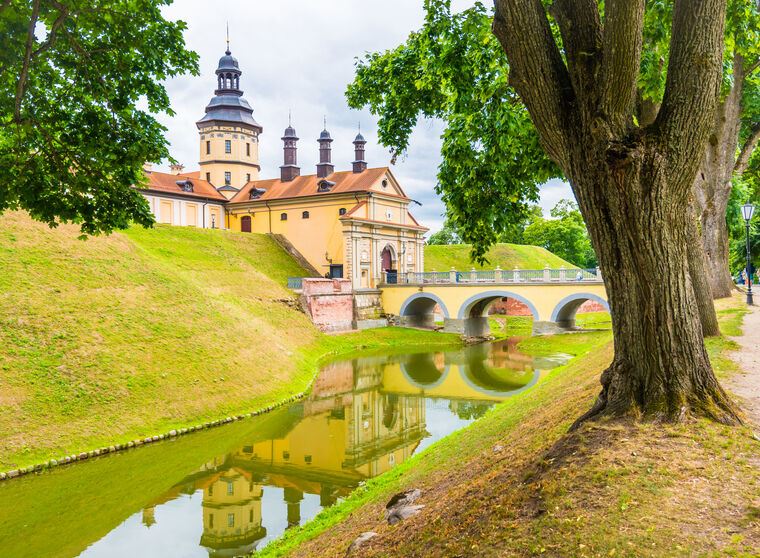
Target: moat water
231	490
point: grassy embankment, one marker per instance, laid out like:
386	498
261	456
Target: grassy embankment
515	483
119	337
506	256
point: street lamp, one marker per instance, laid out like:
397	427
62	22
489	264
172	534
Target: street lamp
747	210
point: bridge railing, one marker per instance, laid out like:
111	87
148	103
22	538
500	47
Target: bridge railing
533	276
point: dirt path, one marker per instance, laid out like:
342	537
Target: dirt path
746	384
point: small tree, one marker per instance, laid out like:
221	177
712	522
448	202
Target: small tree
73	75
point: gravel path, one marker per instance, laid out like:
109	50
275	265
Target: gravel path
746	384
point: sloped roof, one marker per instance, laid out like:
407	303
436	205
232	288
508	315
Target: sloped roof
165	182
344	182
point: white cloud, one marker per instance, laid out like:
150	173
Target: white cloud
299	55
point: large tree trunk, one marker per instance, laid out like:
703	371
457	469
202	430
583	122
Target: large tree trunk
633	183
699	280
712	186
660	367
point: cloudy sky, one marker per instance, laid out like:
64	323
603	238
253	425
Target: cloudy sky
299	55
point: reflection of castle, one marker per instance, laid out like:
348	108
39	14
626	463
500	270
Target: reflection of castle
361	418
347	431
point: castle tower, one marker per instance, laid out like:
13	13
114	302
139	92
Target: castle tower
325	166
359	164
229	136
290	169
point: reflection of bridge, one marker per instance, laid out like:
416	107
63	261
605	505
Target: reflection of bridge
552	295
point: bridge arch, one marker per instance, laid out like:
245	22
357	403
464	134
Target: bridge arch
564	313
477	305
417	310
422	372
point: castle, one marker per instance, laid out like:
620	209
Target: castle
352	224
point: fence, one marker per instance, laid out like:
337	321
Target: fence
295	283
546	275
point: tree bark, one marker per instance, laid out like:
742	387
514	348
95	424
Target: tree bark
699	279
712	186
634	186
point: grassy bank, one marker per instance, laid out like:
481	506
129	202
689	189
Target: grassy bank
119	337
516	483
507	256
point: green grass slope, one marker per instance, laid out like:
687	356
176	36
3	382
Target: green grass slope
138	331
507	256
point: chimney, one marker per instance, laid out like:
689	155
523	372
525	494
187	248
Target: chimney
359	164
290	169
324	167
148	167
176	168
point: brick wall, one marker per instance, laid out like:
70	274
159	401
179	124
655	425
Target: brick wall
512	307
329	303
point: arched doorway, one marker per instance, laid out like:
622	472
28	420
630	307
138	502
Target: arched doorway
388	264
245	224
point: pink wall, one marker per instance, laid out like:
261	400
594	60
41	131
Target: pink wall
329	302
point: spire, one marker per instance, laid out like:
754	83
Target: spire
290	169
227	52
325	166
359	164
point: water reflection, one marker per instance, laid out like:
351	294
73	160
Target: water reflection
362	418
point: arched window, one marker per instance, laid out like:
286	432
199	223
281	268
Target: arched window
283	216
342	211
305	215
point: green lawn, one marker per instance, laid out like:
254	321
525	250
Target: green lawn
507	256
119	337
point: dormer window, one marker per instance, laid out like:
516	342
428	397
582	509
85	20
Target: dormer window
185	185
256	193
324	185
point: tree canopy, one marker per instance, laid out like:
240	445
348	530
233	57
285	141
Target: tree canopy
564	235
454	69
80	81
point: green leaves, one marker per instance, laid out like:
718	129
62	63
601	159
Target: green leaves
79	139
455	70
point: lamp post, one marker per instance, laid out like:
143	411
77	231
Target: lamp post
747	210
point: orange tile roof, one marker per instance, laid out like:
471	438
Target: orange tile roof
345	182
164	182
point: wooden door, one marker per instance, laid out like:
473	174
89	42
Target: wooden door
245	224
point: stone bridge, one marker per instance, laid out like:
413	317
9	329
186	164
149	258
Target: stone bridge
462	299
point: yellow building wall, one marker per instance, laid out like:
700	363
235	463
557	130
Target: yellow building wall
321	233
239	163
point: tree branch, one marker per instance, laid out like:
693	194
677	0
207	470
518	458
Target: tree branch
622	42
752	67
537	71
692	86
581	31
746	152
63	14
24	75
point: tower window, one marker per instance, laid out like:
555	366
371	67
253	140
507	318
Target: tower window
248	177
342	211
228	146
211	520
248	149
227	178
283	216
230	520
208	177
305	215
208	147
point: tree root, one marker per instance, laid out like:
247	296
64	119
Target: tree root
618	398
